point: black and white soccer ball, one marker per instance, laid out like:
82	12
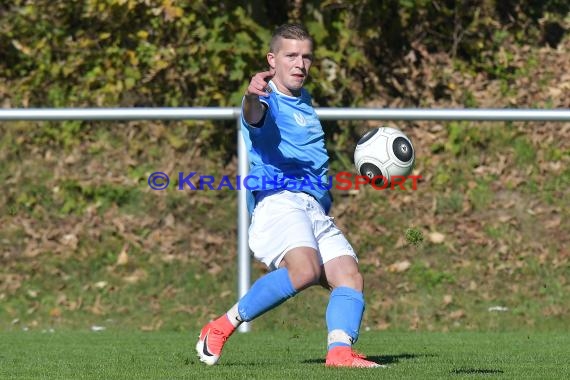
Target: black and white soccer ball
382	153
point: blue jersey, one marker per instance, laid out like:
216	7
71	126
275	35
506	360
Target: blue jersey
287	149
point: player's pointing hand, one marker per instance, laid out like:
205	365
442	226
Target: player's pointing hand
258	84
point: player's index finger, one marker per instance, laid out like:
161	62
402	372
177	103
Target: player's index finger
267	74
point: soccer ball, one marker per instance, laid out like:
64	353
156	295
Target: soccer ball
382	153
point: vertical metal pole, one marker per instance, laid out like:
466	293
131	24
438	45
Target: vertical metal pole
244	258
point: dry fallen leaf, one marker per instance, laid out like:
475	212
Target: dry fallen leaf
55	312
123	258
136	276
436	237
400	266
69	240
100	284
554	222
457	314
169	221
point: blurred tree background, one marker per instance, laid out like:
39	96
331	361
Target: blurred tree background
124	53
201	53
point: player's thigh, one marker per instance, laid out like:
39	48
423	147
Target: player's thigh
339	260
279	224
331	241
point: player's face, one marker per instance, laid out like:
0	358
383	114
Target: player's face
291	62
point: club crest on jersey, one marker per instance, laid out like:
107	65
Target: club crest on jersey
300	119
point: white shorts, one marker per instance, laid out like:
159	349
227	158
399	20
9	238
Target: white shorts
285	220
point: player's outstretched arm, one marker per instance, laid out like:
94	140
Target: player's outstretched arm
253	109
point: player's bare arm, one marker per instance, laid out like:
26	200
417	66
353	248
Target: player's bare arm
253	109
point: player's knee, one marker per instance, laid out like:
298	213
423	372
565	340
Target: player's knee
305	277
350	279
357	281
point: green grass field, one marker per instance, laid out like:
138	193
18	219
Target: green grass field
283	355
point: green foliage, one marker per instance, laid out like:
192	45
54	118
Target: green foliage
429	278
201	53
74	197
124	53
414	236
463	140
481	195
450	203
524	151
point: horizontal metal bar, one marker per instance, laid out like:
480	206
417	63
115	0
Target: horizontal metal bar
444	114
228	113
55	114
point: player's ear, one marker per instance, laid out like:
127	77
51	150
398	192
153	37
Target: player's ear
271	61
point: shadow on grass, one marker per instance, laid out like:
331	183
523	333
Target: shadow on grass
381	359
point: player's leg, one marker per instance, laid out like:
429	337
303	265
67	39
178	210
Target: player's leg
344	312
281	237
299	269
346	304
265	294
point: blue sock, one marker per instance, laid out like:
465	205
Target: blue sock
344	313
266	293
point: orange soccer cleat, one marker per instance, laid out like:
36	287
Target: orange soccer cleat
344	356
212	339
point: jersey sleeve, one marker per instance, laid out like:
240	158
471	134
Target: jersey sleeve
259	124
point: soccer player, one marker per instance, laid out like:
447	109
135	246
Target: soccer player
290	231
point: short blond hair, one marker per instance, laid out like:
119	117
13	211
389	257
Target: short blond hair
290	32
